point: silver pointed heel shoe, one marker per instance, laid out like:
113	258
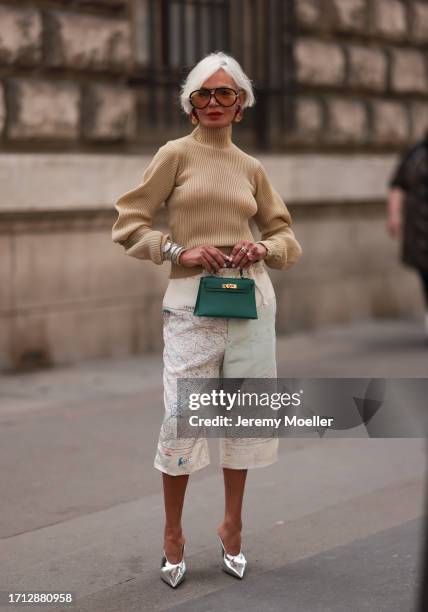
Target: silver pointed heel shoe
173	573
233	564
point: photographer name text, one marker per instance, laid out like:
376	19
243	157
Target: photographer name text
286	421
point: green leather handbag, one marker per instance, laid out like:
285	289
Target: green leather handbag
220	296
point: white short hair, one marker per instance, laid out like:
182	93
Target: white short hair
207	67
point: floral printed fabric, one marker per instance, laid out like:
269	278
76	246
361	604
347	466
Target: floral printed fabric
212	347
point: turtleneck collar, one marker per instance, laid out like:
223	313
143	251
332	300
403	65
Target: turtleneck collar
218	137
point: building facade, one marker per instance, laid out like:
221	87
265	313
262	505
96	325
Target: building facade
89	91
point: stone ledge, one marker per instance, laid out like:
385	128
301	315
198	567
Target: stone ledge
67	182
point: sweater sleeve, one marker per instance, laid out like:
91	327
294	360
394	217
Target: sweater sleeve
274	222
136	208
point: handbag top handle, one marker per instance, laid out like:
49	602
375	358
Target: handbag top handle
226	268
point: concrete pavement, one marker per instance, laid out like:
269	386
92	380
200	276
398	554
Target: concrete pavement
82	506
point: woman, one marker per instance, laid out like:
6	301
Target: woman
409	186
211	189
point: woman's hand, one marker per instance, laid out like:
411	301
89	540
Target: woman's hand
394	211
244	258
210	257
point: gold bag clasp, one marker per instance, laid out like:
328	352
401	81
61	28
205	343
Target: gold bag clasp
229	286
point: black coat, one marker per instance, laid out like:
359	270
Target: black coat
412	177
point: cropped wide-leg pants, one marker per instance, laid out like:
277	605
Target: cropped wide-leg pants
214	347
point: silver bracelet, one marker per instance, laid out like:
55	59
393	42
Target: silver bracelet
166	248
172	250
177	256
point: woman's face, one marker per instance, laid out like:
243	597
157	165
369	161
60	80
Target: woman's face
215	115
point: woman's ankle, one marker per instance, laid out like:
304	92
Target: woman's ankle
173	533
231	525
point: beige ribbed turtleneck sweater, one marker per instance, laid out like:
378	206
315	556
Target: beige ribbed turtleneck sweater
211	189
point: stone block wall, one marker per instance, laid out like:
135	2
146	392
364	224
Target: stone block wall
64	70
361	73
71	77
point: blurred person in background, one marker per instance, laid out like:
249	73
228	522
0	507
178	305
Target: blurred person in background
407	212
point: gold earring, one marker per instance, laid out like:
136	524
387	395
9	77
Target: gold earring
194	119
